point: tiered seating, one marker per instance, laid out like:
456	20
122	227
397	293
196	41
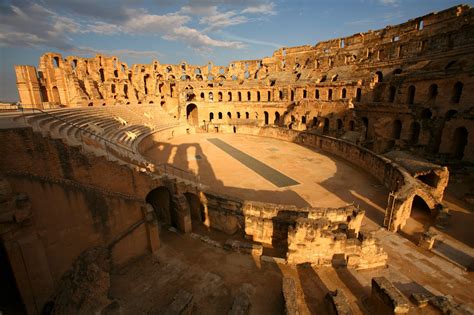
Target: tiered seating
120	128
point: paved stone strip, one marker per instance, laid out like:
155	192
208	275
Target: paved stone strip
272	175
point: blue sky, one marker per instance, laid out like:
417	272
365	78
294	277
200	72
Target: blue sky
197	31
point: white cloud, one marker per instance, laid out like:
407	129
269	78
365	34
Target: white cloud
389	2
196	39
264	8
218	20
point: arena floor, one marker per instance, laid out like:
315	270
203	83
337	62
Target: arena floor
253	168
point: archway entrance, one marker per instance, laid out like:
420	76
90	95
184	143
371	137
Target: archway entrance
192	114
459	142
160	199
276	121
420	219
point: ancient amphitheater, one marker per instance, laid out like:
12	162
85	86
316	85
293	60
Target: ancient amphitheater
326	179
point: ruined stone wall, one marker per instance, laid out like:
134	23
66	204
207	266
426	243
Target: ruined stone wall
324	243
399	86
71	209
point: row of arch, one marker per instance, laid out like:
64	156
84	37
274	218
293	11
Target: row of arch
282	95
433	92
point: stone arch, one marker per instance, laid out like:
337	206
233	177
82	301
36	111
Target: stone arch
56	96
192	114
160	199
276	121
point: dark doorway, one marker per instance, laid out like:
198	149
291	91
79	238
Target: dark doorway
266	118
459	142
196	207
192	114
326	126
415	129
396	129
277	118
160	199
10	299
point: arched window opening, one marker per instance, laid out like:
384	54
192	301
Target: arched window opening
202	95
432	92
326	126
276	121
358	95
378	77
339	124
329	94
343	93
238	115
351	125
266	117
219	96
396	129
211	96
365	122
426	113
219	115
411	94
292	95
229	96
305	94
450	114
457	92
316	94
415	129
459	143
211	116
249	96
239	96
303	120
269	96
258	96
229	115
315	122
280	95
101	73
247	115
392	93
